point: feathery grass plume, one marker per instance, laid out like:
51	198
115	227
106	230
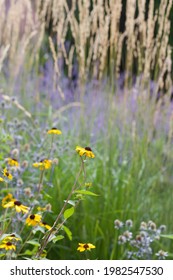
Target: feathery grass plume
17	24
57	71
96	40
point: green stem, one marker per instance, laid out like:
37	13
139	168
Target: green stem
5	229
47	235
25	242
61	224
83	168
51	146
40	181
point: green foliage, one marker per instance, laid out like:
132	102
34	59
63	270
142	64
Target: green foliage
68	213
169	236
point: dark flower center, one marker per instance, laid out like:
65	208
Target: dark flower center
14	159
42	160
32	217
44	223
53	128
138	238
86	246
18	203
88	149
12	235
7	173
8	243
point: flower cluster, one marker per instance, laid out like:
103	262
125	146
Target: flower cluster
33	214
8	241
139	246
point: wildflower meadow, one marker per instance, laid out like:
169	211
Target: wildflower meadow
86	130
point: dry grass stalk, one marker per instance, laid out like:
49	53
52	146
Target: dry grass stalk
57	71
17	104
3	54
18	26
94	35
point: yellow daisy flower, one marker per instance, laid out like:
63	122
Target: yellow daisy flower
17	205
11	237
43	164
43	224
54	130
1	179
85	246
13	162
8	246
33	220
85	151
7	174
7	198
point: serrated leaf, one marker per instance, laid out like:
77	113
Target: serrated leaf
68	213
33	242
86	192
170	236
68	232
57	238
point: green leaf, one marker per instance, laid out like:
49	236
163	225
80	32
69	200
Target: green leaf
68	213
46	195
170	236
27	252
38	228
68	232
2	255
71	202
57	238
33	242
86	192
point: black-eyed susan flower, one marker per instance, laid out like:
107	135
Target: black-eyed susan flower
85	151
13	162
85	247
45	225
6	199
54	130
10	237
7	246
1	179
7	174
33	220
43	164
17	205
